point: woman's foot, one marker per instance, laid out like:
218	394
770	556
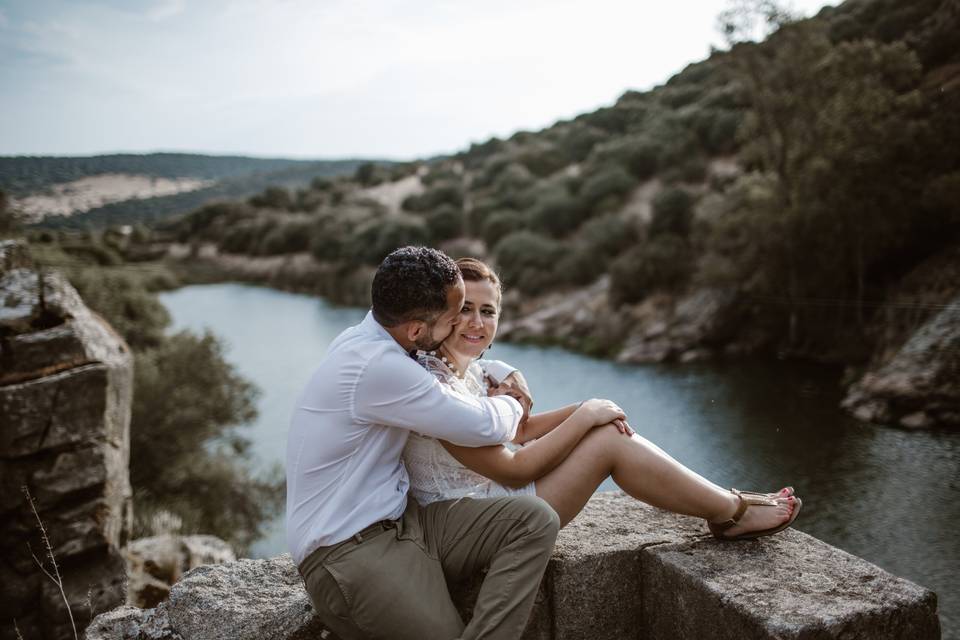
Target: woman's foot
761	514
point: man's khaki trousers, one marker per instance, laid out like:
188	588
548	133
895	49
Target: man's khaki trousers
391	581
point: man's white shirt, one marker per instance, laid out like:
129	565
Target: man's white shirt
350	425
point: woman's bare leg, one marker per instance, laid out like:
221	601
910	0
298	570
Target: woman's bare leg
647	473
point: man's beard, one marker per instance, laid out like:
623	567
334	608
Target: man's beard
427	343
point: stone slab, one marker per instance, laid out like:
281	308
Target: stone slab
243	600
620	570
63	409
788	586
596	565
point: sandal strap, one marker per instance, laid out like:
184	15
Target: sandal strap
747	499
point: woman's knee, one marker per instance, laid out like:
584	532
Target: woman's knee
605	436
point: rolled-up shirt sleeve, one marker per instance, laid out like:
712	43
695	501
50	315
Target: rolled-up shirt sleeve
395	391
497	370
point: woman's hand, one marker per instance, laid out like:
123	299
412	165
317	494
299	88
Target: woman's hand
603	412
519	394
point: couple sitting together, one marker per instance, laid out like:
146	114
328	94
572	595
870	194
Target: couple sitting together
413	463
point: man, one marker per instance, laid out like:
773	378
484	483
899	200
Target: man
374	562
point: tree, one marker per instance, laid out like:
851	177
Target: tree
527	261
663	264
8	220
672	212
836	126
186	455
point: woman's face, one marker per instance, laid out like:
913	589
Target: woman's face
478	319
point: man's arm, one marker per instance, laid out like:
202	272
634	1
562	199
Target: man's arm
395	391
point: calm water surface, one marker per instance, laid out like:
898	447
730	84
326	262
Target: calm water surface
887	495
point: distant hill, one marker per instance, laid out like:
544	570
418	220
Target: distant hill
804	175
110	189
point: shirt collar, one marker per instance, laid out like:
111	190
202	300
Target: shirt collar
371	325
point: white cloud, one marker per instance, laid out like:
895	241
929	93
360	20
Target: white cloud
166	9
337	77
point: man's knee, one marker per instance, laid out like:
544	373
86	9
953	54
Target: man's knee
539	516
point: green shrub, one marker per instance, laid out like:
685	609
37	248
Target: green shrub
321	184
490	170
122	298
373	240
333	229
273	198
527	261
578	265
692	170
8	220
440	174
637	154
679	96
211	221
440	193
541	159
93	253
480	151
606	182
499	224
185	454
672	212
445	222
608	235
308	200
624	116
370	174
512	178
663	264
244	237
595	245
579	140
556	212
288	237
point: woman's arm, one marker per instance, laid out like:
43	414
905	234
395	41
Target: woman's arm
540	424
518	468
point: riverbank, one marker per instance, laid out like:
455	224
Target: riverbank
748	423
899	366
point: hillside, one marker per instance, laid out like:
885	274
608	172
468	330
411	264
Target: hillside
768	200
96	191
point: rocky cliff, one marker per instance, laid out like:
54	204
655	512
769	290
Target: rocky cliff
65	393
914	378
621	569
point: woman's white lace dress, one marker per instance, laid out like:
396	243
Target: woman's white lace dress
434	473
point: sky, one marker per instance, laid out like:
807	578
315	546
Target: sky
327	78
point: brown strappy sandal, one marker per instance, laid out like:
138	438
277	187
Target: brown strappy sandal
748	499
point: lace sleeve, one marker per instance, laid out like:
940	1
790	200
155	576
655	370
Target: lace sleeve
437	367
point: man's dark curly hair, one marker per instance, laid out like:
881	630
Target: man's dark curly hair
411	284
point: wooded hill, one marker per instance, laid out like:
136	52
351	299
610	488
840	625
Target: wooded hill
231	177
809	172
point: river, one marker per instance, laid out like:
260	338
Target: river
888	495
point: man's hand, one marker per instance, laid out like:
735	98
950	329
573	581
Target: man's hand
515	386
517	382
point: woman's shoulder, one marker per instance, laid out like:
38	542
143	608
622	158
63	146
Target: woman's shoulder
434	365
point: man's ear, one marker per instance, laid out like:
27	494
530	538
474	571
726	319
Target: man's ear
415	329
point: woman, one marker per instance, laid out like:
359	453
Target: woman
567	452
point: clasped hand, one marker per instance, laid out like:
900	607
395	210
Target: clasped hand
607	412
515	386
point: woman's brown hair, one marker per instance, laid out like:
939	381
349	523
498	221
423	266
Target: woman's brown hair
474	270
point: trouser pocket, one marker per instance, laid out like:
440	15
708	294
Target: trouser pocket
392	589
330	604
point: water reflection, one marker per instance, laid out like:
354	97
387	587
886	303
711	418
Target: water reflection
890	496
